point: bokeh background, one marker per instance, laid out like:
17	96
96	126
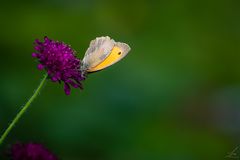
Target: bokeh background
176	96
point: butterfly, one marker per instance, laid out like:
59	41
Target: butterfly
102	53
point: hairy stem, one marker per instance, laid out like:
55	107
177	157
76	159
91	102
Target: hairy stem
22	110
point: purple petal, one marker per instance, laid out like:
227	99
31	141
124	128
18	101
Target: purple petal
60	62
67	89
40	66
31	151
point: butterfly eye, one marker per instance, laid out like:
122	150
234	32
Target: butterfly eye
119	53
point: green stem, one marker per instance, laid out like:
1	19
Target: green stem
23	110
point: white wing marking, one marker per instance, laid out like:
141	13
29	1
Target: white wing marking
98	50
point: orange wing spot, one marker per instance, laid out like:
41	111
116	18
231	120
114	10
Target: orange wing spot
111	59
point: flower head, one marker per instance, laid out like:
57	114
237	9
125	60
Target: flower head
60	62
31	151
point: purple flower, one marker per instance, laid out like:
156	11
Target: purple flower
31	151
60	62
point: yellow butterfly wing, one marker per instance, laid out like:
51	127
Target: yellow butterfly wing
98	50
103	52
119	51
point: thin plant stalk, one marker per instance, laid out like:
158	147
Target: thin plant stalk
23	110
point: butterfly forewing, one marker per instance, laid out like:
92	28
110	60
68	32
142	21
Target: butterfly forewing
97	52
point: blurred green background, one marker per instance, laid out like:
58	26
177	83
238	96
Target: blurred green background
176	96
